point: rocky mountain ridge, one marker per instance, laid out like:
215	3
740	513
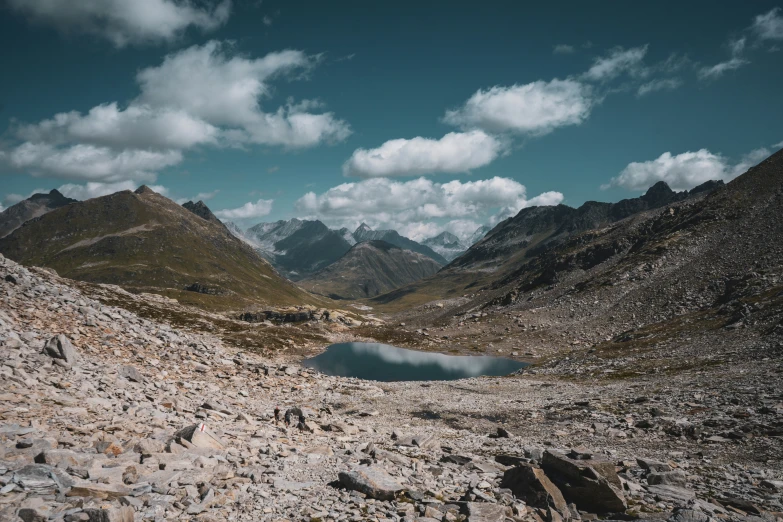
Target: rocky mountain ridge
148	243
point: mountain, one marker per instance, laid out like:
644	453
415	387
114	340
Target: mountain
202	210
478	235
35	206
534	231
267	234
368	269
298	248
365	233
447	245
145	242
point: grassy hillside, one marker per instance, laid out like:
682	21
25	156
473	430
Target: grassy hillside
143	241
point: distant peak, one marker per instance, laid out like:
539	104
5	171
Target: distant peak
144	189
56	193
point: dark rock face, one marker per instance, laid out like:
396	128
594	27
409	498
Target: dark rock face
202	211
592	484
35	206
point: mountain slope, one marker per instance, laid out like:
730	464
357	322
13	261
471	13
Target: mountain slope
368	269
365	233
35	206
529	234
708	266
146	242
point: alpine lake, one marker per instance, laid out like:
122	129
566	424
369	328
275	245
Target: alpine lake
382	362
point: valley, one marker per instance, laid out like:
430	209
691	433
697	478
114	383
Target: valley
653	328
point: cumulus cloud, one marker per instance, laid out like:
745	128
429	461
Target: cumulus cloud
455	152
126	22
769	26
249	210
200	96
660	84
90	162
684	171
535	108
617	62
138	127
409	205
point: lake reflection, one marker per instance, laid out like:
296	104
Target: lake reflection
381	362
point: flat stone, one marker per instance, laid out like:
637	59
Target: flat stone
674	493
371	481
199	436
668	478
653	465
97	490
485	512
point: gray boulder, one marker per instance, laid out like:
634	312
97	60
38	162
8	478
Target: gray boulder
532	485
592	484
60	347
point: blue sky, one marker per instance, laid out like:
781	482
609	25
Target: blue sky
424	118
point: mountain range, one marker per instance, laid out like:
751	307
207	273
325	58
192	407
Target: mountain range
370	268
299	248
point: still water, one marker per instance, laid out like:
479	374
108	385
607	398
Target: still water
381	362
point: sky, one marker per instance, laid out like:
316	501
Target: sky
418	116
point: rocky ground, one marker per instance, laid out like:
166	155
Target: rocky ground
109	416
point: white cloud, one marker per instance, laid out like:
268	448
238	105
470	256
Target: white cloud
778	145
89	162
138	126
618	61
719	69
95	189
684	171
563	49
126	22
661	84
410	205
200	96
769	26
736	48
535	108
224	90
455	152
249	210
